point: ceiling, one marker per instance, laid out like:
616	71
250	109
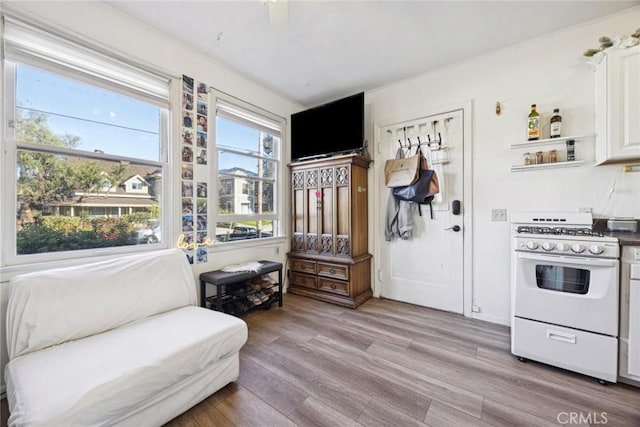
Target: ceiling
331	49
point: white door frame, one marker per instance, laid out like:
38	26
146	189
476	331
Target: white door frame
381	192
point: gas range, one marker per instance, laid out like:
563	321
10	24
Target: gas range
564	299
561	233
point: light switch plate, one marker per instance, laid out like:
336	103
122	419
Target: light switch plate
498	214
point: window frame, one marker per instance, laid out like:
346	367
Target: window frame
9	258
264	120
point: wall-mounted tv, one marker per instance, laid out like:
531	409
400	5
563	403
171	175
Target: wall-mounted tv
333	128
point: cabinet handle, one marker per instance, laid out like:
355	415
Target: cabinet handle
333	286
332	271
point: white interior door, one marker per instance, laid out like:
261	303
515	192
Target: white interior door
428	268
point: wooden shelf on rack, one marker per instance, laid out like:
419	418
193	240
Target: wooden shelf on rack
568	164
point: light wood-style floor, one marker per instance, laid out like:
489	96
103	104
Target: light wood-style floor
393	364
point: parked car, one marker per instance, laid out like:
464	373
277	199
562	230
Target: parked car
243	232
151	234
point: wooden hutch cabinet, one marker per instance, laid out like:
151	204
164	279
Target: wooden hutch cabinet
329	257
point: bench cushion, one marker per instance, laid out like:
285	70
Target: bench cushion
51	307
99	380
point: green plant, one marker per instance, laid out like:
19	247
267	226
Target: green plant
36	238
606	42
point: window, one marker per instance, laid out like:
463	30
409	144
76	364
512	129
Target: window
248	161
81	125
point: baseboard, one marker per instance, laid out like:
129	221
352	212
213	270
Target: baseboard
490	318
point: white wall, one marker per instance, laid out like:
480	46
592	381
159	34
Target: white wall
109	28
550	72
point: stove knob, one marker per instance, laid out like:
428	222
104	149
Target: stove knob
548	246
577	248
532	245
562	246
596	250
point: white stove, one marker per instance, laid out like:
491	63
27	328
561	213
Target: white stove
565	287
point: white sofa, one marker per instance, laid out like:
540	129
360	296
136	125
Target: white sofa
119	342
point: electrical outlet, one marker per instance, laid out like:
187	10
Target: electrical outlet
585	210
277	250
475	308
498	214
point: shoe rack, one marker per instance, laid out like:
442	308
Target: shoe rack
241	293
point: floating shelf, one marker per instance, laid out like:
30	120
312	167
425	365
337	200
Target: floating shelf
548	166
548	141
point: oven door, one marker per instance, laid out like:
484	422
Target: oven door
581	293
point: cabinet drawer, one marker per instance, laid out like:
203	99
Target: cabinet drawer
304	280
333	286
303	265
335	271
580	351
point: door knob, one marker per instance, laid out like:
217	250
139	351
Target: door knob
455	228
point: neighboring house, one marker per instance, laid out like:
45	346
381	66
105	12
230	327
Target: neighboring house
137	193
236	192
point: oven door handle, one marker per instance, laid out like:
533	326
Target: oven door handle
588	262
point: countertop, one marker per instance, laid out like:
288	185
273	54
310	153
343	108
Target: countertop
624	237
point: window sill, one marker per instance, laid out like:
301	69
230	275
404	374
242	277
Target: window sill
248	243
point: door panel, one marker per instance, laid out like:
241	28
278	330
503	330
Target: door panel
427	269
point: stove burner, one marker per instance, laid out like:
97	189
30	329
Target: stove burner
527	229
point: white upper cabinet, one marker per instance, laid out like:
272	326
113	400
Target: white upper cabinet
617	106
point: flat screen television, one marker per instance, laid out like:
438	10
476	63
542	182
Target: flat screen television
333	128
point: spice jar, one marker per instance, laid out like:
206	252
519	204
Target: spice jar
539	158
527	159
553	156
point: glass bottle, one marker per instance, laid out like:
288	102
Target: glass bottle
553	156
556	124
539	158
533	124
527	158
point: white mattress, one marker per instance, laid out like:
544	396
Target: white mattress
104	378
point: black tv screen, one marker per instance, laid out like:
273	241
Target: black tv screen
333	128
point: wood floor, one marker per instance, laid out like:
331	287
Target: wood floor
310	363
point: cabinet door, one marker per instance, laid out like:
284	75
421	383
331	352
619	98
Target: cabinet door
299	207
618	106
342	209
326	211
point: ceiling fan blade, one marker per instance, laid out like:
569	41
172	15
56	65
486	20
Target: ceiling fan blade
278	14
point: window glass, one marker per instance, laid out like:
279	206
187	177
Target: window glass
563	279
69	202
248	166
84	117
236	164
239	136
232	231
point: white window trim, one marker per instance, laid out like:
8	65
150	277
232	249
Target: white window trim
10	261
236	109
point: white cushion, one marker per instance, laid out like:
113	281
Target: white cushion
101	379
54	306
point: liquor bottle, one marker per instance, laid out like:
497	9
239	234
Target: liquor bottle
533	124
556	124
